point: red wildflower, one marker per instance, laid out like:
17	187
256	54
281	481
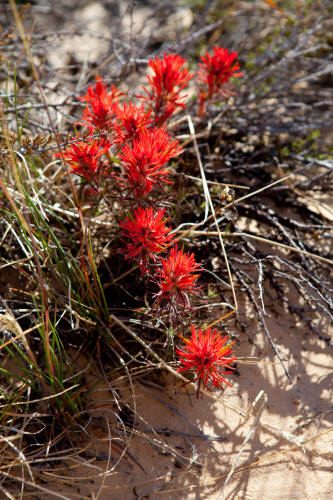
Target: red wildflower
101	105
170	77
204	353
85	157
215	71
148	233
177	278
144	160
132	119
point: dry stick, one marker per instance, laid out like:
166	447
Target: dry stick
247	438
209	199
46	398
235	202
309	420
257	191
213	183
245	467
264	240
20	335
271	341
300	193
22	458
19	261
107	285
35	485
7	494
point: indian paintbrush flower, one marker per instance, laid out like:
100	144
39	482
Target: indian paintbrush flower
132	119
177	277
144	161
170	77
148	234
101	105
214	72
205	353
85	158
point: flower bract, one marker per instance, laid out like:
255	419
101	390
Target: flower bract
170	76
101	104
85	157
215	71
178	276
132	119
144	160
206	353
148	235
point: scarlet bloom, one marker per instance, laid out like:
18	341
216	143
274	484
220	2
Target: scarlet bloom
205	352
144	161
85	158
101	105
132	119
178	276
148	235
170	77
215	71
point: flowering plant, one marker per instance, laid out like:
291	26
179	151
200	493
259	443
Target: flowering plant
132	119
170	77
144	160
177	278
148	235
85	158
205	352
215	71
136	142
101	105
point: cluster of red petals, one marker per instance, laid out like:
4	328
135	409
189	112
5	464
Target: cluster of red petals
85	157
216	70
144	161
177	276
205	352
170	77
132	119
148	235
101	105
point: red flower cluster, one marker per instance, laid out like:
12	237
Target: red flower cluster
85	158
148	235
215	71
142	148
170	77
177	278
144	161
205	353
132	120
101	105
147	150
